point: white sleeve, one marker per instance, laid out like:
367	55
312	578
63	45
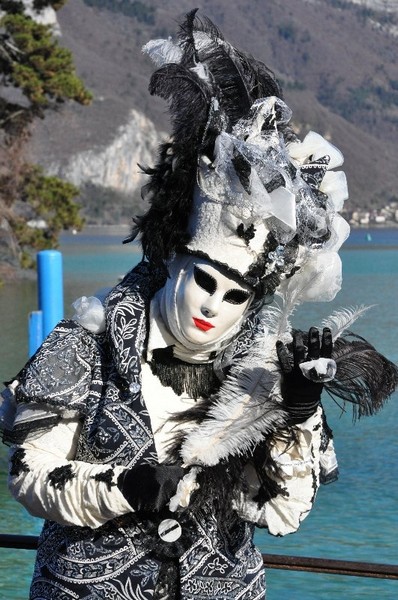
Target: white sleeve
299	465
50	484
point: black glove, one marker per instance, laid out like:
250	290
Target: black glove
148	488
301	396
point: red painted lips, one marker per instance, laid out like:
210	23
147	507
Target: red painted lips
203	325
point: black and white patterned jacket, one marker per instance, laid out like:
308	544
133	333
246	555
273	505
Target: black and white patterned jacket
81	420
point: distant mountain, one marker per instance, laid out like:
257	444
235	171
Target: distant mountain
337	61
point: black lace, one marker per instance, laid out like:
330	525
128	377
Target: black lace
196	380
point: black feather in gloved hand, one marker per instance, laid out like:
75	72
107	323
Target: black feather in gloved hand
302	393
364	378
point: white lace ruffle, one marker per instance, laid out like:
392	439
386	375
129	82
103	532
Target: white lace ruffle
321	369
185	487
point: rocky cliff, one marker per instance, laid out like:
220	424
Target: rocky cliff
337	61
114	165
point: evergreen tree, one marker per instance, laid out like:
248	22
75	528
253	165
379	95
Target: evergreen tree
36	75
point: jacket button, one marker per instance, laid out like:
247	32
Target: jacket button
169	530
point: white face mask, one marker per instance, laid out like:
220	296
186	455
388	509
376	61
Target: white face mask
209	302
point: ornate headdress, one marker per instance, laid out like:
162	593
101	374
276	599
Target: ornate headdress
234	184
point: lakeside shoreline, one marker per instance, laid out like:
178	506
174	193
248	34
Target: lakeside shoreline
361	236
124	226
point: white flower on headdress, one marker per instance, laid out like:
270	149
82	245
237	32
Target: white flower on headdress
334	184
90	314
318	280
340	230
313	148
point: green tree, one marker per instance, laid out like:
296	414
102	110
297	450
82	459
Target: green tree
52	201
36	75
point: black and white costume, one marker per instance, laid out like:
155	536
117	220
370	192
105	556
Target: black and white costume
93	545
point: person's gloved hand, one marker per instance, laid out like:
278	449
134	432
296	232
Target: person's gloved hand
148	488
304	371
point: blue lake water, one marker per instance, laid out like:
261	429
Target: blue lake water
354	518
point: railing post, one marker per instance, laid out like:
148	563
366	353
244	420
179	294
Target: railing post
50	298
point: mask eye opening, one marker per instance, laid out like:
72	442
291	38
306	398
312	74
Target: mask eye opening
204	280
235	296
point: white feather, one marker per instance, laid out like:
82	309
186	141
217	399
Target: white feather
243	413
162	52
201	71
203	41
340	320
290	298
276	319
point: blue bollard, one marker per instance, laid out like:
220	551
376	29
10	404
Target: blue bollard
50	288
35	331
50	298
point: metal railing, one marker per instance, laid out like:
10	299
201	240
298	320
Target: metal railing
331	566
271	561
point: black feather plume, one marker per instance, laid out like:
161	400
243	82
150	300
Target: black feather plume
186	39
364	377
189	98
164	226
222	63
170	189
238	78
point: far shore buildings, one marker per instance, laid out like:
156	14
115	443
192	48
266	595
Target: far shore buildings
384	217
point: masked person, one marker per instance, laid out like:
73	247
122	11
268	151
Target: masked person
155	432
